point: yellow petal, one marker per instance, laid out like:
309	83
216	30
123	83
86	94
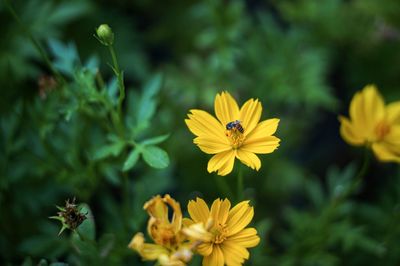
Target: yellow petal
203	124
231	248
152	251
250	114
220	210
198	232
393	137
234	255
393	113
205	249
386	153
367	108
216	257
262	145
222	162
198	210
265	128
146	251
246	238
249	159
350	133
157	208
226	108
239	217
187	222
211	145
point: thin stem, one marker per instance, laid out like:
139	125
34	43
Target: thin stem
120	79
37	45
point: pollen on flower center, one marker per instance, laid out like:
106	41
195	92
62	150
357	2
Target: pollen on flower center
220	233
235	137
382	129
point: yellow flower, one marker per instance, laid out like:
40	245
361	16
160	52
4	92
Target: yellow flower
170	247
373	124
227	239
236	134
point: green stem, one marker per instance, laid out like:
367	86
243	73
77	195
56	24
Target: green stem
120	79
37	45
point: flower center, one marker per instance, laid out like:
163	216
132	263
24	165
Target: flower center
220	233
382	129
235	137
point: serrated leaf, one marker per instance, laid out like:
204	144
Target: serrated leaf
155	157
155	140
131	160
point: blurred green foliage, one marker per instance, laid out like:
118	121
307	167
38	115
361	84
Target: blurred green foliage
303	59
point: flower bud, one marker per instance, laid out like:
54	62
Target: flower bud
105	35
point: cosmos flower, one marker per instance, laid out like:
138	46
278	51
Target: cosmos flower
170	247
228	238
373	124
236	133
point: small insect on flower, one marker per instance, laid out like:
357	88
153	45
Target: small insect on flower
235	125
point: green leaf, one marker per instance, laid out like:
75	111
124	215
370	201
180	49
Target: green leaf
147	104
155	157
153	86
113	149
155	140
131	160
87	229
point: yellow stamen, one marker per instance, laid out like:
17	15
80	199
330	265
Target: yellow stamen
220	233
235	137
382	129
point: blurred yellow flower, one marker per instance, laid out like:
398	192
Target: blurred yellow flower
236	134
170	247
373	124
227	239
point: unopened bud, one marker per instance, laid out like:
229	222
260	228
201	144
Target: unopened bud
105	35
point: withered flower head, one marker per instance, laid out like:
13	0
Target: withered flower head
70	216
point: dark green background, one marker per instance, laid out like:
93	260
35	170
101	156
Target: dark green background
303	59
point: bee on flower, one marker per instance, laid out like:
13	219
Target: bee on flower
373	124
235	133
